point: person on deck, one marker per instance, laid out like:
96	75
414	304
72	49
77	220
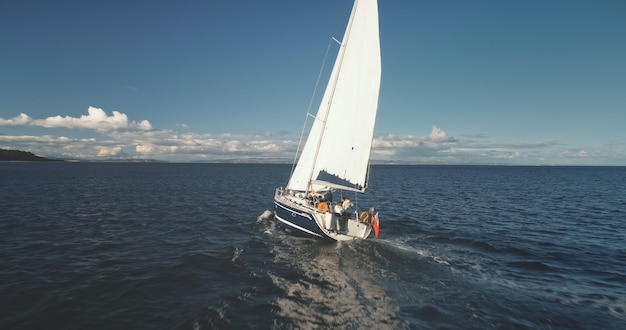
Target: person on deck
347	206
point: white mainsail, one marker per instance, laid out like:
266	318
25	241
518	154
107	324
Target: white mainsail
336	153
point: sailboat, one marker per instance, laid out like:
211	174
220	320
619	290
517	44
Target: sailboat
335	156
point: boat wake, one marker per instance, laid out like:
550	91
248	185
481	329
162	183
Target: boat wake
267	214
324	287
403	248
265	220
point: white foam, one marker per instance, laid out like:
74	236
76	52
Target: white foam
265	215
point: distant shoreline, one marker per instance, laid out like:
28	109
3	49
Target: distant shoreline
7	155
23	156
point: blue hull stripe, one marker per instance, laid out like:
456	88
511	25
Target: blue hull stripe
301	221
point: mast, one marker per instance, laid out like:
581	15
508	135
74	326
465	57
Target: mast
339	62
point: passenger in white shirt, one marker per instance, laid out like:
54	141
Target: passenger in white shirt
347	206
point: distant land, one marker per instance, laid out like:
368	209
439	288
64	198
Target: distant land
8	155
22	156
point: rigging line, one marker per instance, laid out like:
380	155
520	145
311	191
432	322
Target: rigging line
308	112
356	204
319	75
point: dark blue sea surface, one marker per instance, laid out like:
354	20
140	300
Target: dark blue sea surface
195	246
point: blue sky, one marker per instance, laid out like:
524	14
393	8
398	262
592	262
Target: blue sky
490	82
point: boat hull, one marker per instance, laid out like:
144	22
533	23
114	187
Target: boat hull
298	222
303	221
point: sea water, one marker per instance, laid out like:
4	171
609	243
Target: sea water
195	246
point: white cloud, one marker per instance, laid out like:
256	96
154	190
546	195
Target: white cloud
96	119
122	138
52	146
437	134
475	148
234	146
108	151
20	120
144	149
176	146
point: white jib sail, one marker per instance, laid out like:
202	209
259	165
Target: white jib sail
336	153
